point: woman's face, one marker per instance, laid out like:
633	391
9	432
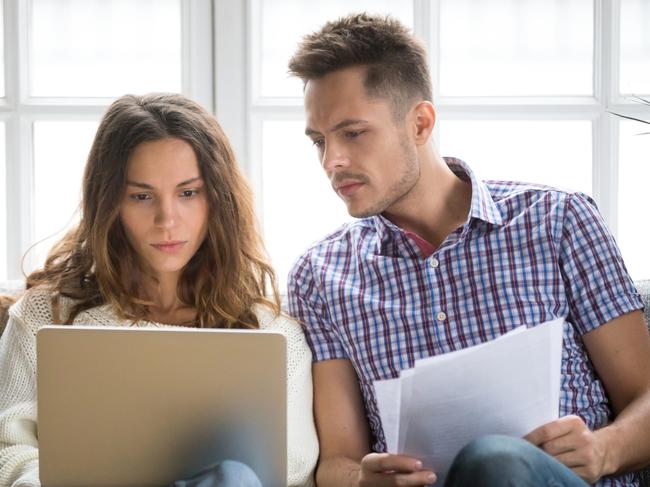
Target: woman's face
164	209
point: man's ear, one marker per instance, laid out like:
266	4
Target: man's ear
424	119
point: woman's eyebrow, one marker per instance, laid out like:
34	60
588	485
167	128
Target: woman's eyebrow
148	186
188	181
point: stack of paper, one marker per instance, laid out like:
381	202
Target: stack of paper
510	386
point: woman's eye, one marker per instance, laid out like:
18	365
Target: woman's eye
188	193
140	196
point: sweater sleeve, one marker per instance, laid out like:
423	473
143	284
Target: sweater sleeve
18	426
302	441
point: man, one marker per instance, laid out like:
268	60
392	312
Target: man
439	261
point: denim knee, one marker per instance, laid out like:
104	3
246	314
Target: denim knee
228	473
493	460
497	460
236	474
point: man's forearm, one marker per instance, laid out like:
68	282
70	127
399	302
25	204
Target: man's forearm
626	439
337	472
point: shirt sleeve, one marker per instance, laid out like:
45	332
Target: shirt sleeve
596	280
307	304
18	426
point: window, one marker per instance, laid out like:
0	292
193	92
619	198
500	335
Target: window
531	83
64	62
3	203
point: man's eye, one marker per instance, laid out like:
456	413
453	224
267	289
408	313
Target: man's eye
351	134
318	142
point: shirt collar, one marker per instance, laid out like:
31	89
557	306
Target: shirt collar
482	206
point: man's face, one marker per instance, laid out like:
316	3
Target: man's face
368	157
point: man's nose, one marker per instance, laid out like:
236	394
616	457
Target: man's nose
334	158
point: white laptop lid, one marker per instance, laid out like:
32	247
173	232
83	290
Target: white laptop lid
146	406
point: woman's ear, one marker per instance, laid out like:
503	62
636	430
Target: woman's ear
424	119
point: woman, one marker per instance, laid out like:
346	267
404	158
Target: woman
167	237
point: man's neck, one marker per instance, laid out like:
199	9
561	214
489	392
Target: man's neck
437	205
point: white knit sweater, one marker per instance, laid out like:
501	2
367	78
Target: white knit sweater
18	424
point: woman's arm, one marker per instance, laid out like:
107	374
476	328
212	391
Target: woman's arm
302	441
18	426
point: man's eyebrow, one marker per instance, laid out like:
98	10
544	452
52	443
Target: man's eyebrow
338	126
148	186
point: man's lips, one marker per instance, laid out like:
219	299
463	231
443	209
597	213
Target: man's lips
170	246
347	188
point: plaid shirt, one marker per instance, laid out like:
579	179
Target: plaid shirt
526	254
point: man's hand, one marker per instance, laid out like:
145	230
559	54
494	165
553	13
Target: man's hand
384	469
572	443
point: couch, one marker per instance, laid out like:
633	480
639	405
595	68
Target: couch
14	287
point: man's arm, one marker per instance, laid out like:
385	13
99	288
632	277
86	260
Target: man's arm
344	436
620	352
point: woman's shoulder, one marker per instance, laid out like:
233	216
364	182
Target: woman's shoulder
289	327
36	300
270	320
33	308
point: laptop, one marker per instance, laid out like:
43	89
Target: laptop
124	407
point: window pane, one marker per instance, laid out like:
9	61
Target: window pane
60	152
299	205
634	174
516	47
97	48
2	50
284	22
3	205
635	46
556	153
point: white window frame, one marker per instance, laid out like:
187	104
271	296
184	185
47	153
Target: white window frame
19	111
242	114
217	55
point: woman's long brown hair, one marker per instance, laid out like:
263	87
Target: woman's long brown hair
94	264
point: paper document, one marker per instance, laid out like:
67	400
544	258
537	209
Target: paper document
510	386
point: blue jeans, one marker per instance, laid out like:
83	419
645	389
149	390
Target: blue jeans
496	460
228	473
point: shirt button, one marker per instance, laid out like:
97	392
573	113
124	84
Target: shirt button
434	263
441	316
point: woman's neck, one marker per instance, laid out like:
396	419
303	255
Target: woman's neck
166	305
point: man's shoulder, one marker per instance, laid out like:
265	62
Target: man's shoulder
513	198
344	237
350	238
501	190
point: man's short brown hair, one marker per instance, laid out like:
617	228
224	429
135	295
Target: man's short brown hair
396	61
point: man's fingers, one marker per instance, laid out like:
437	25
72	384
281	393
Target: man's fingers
571	459
554	429
385	462
576	440
419	479
425	477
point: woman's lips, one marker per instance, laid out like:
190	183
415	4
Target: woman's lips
168	247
